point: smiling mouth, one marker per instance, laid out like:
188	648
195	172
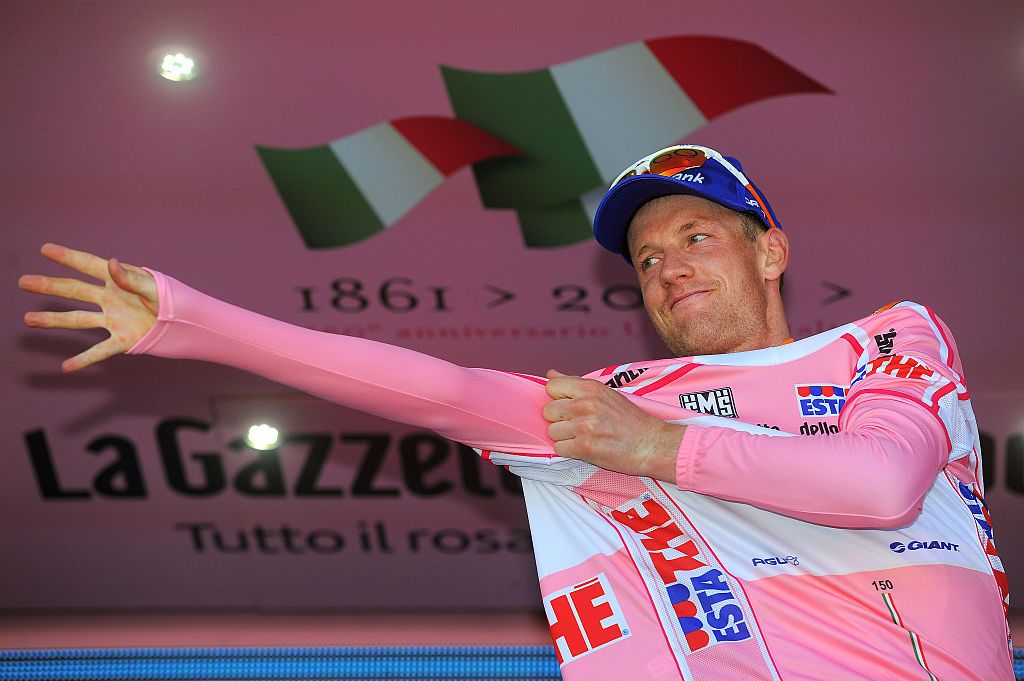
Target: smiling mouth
687	297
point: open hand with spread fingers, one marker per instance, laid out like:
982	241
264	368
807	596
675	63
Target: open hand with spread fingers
127	300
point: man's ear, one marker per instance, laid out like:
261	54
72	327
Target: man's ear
775	253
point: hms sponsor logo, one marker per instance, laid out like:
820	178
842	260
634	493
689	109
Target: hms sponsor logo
819	428
704	604
820	399
717	402
897	366
584	618
934	545
623	377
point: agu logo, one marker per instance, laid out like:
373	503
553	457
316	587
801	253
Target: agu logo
584	618
702	600
820	399
776	560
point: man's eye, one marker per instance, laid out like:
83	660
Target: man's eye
694	238
648	262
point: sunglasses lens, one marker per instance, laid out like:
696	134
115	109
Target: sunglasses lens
677	160
668	163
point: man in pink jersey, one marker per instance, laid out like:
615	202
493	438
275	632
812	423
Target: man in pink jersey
674	538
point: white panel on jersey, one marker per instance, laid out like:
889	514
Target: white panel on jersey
710	420
822	550
625	104
565	530
779	354
392	174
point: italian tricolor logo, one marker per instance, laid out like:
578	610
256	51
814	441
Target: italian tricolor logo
543	143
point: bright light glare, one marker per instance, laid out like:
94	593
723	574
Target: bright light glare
178	67
262	437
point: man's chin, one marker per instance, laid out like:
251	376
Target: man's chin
700	339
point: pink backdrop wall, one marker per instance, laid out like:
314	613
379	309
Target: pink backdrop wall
904	184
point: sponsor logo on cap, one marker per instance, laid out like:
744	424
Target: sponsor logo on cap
689	177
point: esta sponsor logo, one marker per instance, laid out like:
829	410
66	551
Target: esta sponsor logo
717	402
897	366
584	618
934	545
702	600
776	560
821	399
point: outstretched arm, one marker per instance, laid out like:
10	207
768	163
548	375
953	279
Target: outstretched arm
148	312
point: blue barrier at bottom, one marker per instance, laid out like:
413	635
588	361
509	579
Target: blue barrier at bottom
434	663
277	664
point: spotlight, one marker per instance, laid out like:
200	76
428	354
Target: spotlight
262	437
178	67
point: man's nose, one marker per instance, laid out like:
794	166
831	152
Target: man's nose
678	264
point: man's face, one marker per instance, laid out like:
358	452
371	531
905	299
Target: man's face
702	278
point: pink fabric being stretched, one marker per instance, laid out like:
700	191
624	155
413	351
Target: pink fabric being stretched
763	560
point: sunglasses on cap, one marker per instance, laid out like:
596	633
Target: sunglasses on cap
676	160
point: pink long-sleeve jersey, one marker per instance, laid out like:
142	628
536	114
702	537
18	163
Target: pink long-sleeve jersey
827	520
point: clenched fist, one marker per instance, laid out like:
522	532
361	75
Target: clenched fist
593	423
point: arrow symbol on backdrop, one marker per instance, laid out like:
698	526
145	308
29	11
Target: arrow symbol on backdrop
840	292
503	296
545	143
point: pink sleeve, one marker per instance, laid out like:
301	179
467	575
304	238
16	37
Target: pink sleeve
905	418
873	474
480	407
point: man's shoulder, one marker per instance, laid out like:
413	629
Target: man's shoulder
907	327
902	311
